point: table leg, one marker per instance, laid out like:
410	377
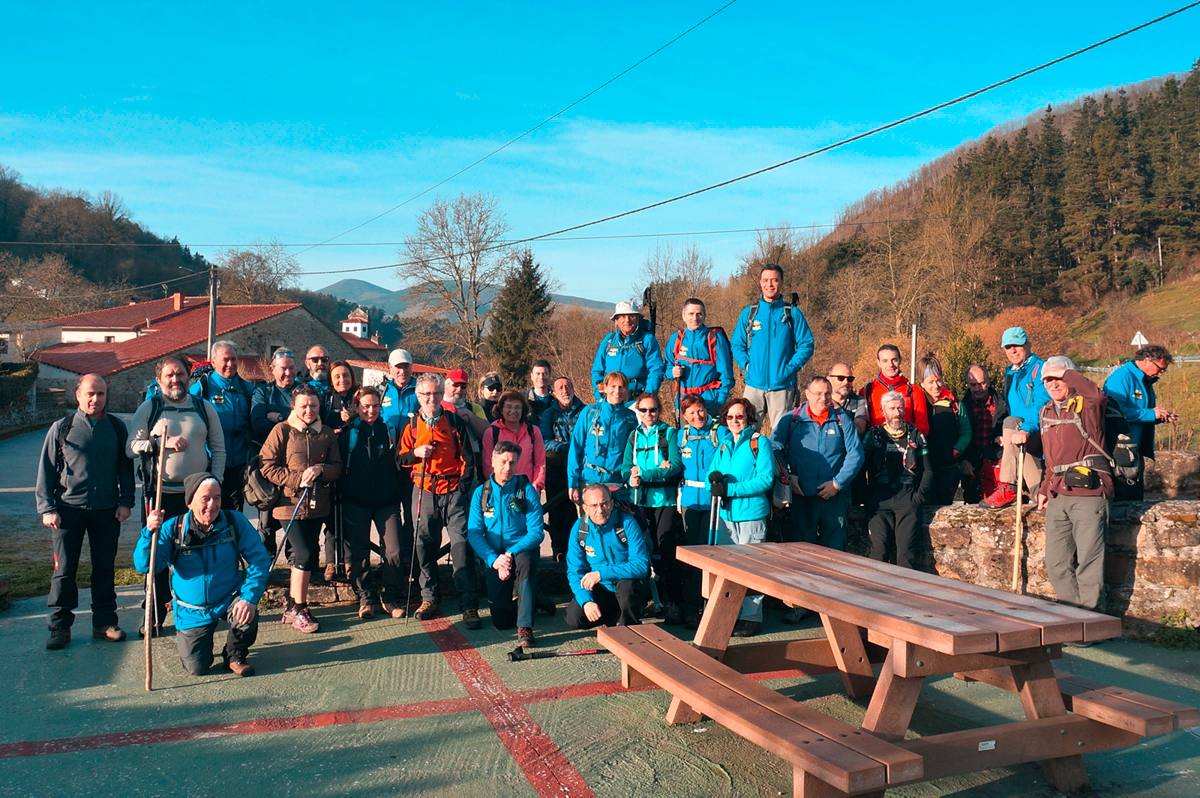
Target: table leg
846	642
891	708
712	637
1041	698
806	785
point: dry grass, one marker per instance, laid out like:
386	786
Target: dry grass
25	556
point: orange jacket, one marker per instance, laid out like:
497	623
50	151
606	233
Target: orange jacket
450	460
916	403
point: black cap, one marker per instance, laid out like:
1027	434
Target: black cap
192	482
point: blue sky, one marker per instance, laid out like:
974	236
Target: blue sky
293	122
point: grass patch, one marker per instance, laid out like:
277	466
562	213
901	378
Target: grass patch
26	557
1176	632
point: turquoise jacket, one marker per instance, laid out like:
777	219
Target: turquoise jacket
707	363
512	524
231	398
748	475
648	449
207	574
601	550
1128	389
1025	392
636	356
696	450
772	348
598	444
396	405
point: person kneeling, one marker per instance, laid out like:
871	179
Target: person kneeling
605	564
204	547
505	530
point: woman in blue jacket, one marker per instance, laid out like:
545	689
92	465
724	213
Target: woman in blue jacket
652	468
743	470
697	441
598	440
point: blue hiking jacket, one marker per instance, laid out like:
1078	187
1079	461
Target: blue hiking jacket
660	486
598	444
773	350
506	526
1025	392
817	453
557	423
708	370
207	577
231	399
1127	388
749	475
696	450
269	398
602	550
397	405
636	356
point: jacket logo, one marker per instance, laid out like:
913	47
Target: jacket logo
1137	394
686	451
683	350
612	351
589	551
756	325
219	399
387	402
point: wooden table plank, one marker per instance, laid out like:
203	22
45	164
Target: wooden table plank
745	565
1012	632
1097	626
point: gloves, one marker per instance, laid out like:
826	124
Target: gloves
718	485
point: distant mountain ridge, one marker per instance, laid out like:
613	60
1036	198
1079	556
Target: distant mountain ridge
400	301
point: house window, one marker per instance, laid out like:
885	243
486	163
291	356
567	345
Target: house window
108	339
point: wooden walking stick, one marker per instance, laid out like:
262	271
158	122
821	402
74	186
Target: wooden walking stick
151	621
1020	529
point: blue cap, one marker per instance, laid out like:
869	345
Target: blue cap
1014	335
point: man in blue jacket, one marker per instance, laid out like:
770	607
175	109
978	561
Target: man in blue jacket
505	530
606	562
399	393
824	454
1026	395
771	343
630	349
204	548
598	441
700	360
1131	388
231	396
557	423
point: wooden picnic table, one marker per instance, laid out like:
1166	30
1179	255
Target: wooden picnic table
913	625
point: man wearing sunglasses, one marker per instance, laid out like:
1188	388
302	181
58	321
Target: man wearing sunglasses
1131	388
845	398
316	370
1025	393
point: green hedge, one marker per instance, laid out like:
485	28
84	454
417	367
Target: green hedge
15	379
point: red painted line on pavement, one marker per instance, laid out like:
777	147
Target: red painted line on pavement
590	689
540	759
318	720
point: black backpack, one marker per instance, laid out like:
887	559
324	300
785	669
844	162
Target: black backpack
518	500
60	441
261	492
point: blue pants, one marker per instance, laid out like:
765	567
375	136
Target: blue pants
817	520
512	601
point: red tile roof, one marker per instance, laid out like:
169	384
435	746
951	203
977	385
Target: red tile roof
126	317
178	331
362	343
418	368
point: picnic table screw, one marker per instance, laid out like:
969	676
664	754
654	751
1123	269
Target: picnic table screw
920	663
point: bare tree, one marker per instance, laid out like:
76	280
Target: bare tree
900	277
37	288
688	274
453	259
256	276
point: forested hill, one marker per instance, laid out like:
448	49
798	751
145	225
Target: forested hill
49	258
1064	208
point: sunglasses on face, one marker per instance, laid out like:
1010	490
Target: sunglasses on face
1048	380
647	409
735	417
841	377
318	359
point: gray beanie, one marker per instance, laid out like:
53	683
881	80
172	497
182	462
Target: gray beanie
192	483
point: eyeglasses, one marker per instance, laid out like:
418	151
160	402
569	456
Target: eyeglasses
1161	368
842	377
424	393
977	384
1048	380
490	387
735	416
647	409
459	384
1013	346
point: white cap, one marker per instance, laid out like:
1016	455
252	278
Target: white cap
1057	366
399	356
626	308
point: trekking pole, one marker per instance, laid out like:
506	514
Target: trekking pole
151	619
1020	528
279	546
416	523
519	654
714	509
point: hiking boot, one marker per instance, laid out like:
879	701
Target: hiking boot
304	622
239	667
795	614
673	615
393	609
113	634
158	630
1002	496
692	620
524	637
427	610
366	610
745	628
58	639
470	619
289	614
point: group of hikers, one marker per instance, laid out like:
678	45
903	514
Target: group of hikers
615	487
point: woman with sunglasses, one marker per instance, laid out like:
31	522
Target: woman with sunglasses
652	467
697	441
743	470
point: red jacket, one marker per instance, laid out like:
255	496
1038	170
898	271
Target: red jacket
916	403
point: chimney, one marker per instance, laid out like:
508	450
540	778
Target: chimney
177	297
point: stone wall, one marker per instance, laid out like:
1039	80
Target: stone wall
1152	563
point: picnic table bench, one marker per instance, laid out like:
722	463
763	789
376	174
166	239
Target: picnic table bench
912	625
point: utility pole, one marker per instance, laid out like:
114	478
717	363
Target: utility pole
212	309
1161	273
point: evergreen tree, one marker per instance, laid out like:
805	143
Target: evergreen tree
518	316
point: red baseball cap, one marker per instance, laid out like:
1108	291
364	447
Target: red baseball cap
456	375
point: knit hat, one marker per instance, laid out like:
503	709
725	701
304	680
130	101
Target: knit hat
192	483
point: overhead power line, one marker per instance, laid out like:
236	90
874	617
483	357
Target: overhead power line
109	292
804	156
525	133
